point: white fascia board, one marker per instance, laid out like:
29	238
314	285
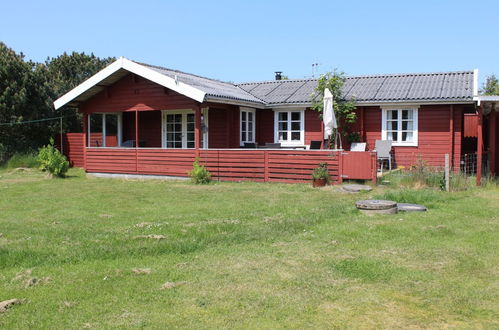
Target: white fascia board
161	79
89	83
140	70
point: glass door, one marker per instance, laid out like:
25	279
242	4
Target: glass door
178	129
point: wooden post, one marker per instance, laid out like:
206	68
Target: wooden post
85	140
479	147
137	141
451	130
362	133
265	165
447	173
492	140
340	165
374	163
197	130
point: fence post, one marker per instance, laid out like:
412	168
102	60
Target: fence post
265	166
374	167
340	166
447	173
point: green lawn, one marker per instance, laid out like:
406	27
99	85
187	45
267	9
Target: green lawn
242	255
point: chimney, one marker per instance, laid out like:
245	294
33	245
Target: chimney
278	75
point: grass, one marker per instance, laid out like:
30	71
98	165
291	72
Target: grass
22	160
242	255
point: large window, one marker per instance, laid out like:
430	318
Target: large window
400	126
104	130
289	127
247	126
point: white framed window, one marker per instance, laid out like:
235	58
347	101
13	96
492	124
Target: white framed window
289	127
247	125
105	129
400	125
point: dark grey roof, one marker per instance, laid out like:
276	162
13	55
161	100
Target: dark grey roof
431	87
212	87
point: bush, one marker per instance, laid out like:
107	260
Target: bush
52	161
23	160
199	174
321	172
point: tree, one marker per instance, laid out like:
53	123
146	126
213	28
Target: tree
491	86
343	109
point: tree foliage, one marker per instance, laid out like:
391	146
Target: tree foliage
27	92
343	109
491	86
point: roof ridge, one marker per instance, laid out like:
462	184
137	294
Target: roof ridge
191	74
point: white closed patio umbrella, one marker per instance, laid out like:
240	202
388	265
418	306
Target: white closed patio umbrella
329	117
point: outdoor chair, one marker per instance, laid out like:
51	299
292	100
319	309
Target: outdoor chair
358	146
250	145
315	145
383	150
272	145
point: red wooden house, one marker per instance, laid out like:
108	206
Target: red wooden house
149	120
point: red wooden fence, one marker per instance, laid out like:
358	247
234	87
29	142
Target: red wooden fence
263	165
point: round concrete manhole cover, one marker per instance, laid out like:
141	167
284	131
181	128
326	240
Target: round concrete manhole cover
375	204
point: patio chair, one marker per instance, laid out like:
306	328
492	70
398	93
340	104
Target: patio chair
250	145
272	145
358	146
383	149
315	145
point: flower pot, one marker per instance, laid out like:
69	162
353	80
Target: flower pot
319	182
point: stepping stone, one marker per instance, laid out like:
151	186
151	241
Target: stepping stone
356	187
377	206
407	207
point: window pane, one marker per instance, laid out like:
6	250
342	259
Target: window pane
190	136
407	114
407	136
95	134
190	144
394	136
283	116
177	127
295	115
178	144
283	136
250	136
243	136
250	126
250	116
190	127
178	136
283	126
392	125
393	114
295	136
407	126
295	126
190	118
169	144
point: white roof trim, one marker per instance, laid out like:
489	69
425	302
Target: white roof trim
140	70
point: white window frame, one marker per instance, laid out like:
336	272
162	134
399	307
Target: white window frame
289	142
253	131
182	112
384	130
120	126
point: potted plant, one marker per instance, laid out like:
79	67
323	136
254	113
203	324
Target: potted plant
320	176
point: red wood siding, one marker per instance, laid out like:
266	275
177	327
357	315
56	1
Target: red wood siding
313	127
264	126
72	147
470	125
358	165
434	139
130	94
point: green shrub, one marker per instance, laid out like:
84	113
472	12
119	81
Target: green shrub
23	160
52	161
321	172
199	174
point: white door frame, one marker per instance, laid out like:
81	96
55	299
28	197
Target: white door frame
182	112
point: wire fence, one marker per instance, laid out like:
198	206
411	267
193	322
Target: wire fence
469	164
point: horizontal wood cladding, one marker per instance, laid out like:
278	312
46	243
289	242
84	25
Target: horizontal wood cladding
313	126
264	126
72	147
223	127
129	94
232	165
434	136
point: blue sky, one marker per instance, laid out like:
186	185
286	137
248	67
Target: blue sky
249	40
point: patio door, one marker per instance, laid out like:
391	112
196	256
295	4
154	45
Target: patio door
178	129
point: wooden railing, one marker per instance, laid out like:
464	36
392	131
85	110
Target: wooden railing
263	165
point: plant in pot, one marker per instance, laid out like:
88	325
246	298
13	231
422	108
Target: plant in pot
320	176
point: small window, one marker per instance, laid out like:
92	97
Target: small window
400	126
247	126
289	127
104	130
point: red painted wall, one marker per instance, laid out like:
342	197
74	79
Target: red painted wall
264	126
313	127
223	127
434	139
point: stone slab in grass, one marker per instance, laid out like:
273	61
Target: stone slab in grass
354	188
408	207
